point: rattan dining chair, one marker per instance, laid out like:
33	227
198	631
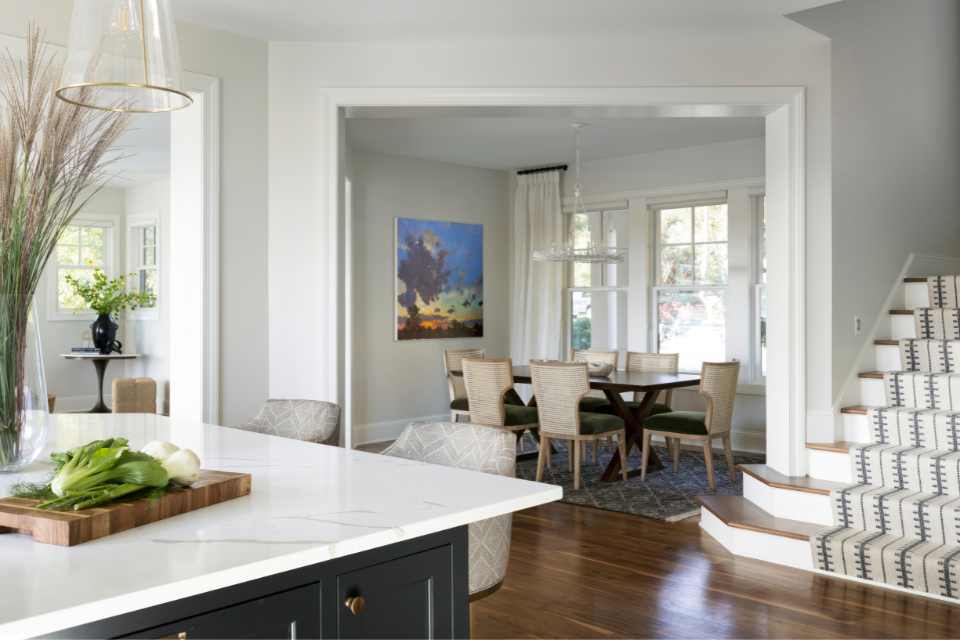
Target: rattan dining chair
453	365
718	386
489	382
134	395
559	388
474	447
595	398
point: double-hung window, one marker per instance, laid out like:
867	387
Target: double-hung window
143	254
690	294
596	300
83	247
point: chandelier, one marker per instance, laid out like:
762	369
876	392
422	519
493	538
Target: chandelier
123	55
595	252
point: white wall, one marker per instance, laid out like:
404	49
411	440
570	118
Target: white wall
397	381
707	163
896	149
241	65
149	333
300	148
74	382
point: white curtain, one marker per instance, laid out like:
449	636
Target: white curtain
535	323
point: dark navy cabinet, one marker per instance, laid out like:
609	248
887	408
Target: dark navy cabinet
411	589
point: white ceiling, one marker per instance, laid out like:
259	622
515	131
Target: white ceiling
145	151
517	142
369	20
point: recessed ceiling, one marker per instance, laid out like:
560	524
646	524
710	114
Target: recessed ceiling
368	20
517	142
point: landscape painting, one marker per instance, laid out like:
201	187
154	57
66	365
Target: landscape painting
439	279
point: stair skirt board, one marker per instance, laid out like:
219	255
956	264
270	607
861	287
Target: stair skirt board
758	545
787	503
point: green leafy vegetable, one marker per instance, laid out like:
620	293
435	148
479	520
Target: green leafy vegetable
97	473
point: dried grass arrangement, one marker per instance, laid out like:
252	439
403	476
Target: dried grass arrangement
53	158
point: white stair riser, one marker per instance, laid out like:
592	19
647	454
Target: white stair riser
787	503
753	544
916	294
901	327
829	465
872	393
887	357
856	428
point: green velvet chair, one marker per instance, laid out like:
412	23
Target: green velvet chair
560	388
718	387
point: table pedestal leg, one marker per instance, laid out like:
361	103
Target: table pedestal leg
633	421
101	367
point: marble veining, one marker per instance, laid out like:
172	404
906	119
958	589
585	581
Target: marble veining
310	503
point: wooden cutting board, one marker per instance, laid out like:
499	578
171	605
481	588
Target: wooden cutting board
69	528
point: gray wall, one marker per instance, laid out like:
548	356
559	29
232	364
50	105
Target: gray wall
241	65
896	149
395	381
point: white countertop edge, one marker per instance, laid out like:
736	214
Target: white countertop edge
100	610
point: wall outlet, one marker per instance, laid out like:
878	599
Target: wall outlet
857	325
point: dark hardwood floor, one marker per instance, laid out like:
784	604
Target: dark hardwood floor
577	572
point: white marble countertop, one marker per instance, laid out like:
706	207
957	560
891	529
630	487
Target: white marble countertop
309	503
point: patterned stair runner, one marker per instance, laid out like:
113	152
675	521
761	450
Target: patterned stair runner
900	523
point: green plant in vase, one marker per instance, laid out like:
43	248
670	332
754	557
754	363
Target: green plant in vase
53	159
108	297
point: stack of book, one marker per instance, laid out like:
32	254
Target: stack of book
84	350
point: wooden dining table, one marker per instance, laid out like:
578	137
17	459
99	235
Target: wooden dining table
649	384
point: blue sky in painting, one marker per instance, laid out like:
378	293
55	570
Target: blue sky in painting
464	244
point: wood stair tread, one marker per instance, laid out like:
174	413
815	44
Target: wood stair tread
773	478
858	410
840	446
915	279
740	513
871	375
901	312
886	342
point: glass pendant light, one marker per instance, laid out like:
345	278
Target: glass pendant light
123	55
597	252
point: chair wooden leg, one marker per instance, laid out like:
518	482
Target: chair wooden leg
577	451
454	417
596	451
644	456
572	447
728	452
708	459
676	454
546	447
622	446
542	456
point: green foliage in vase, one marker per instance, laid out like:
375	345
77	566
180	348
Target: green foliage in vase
109	296
54	157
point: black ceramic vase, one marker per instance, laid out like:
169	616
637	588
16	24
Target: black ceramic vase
104	331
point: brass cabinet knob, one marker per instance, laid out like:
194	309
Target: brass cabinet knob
354	604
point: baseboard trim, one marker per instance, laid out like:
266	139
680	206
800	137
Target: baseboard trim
375	432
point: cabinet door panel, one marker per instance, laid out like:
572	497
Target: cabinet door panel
290	614
410	597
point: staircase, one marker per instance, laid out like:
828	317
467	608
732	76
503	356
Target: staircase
883	505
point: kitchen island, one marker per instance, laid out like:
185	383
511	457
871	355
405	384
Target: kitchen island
330	542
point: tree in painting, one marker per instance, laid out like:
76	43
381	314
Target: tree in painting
439	279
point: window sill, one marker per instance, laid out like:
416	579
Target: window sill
71	317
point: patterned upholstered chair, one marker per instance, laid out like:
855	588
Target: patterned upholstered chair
453	365
134	395
718	387
489	384
560	387
474	447
307	420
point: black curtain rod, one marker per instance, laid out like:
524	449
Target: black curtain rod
526	172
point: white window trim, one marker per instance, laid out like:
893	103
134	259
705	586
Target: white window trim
135	222
757	377
614	206
108	222
690	201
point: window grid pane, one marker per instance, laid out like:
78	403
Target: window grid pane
691	322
